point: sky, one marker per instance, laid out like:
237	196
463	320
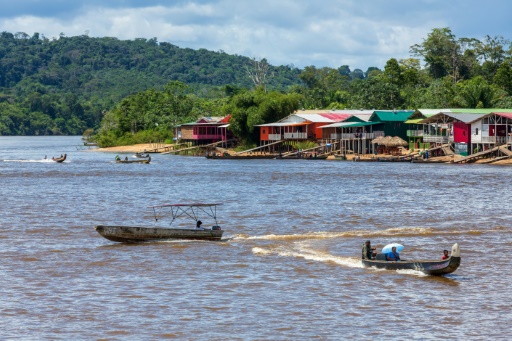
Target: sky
300	33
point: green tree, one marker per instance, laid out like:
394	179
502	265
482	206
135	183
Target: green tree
503	77
251	108
474	93
375	92
437	51
492	50
393	72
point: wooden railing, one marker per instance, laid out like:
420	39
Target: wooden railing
436	139
274	137
295	135
357	136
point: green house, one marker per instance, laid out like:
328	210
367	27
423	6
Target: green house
392	122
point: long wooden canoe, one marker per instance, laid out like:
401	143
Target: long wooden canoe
429	267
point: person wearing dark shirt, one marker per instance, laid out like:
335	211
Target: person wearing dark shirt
393	256
368	251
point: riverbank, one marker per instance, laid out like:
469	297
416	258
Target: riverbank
153	146
135	148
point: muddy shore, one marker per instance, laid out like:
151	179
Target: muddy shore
152	146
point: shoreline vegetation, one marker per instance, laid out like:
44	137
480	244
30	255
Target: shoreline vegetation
436	159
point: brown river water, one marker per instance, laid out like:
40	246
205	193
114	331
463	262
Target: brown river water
288	266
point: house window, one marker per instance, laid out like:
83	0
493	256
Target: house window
263	131
476	131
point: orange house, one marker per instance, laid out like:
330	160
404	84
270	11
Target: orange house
301	125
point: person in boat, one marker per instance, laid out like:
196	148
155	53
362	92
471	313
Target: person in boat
368	252
393	256
445	255
126	158
118	158
198	224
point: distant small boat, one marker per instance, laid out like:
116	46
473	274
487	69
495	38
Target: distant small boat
59	159
148	160
134	234
429	267
141	155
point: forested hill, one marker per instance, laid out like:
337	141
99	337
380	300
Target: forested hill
62	86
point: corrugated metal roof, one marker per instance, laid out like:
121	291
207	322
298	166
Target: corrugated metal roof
363	117
323	117
502	114
283	124
448	117
479	111
391	115
336	117
505	114
353	112
432	112
210	119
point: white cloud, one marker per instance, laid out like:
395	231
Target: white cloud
300	32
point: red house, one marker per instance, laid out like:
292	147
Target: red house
205	130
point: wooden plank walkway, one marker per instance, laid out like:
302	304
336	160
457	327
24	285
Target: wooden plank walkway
473	157
496	159
195	147
317	148
260	147
504	149
447	150
162	149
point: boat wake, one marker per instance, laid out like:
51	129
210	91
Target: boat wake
298	250
391	232
33	161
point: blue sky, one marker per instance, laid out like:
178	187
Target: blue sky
358	33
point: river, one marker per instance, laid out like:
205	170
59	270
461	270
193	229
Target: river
288	267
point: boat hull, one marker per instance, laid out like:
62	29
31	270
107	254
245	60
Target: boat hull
435	268
59	159
135	234
133	161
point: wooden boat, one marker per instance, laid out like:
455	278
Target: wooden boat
59	159
429	267
340	157
428	161
134	234
148	160
303	157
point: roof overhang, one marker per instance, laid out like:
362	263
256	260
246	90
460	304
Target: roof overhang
349	124
283	124
414	121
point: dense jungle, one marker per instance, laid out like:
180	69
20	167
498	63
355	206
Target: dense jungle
135	91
